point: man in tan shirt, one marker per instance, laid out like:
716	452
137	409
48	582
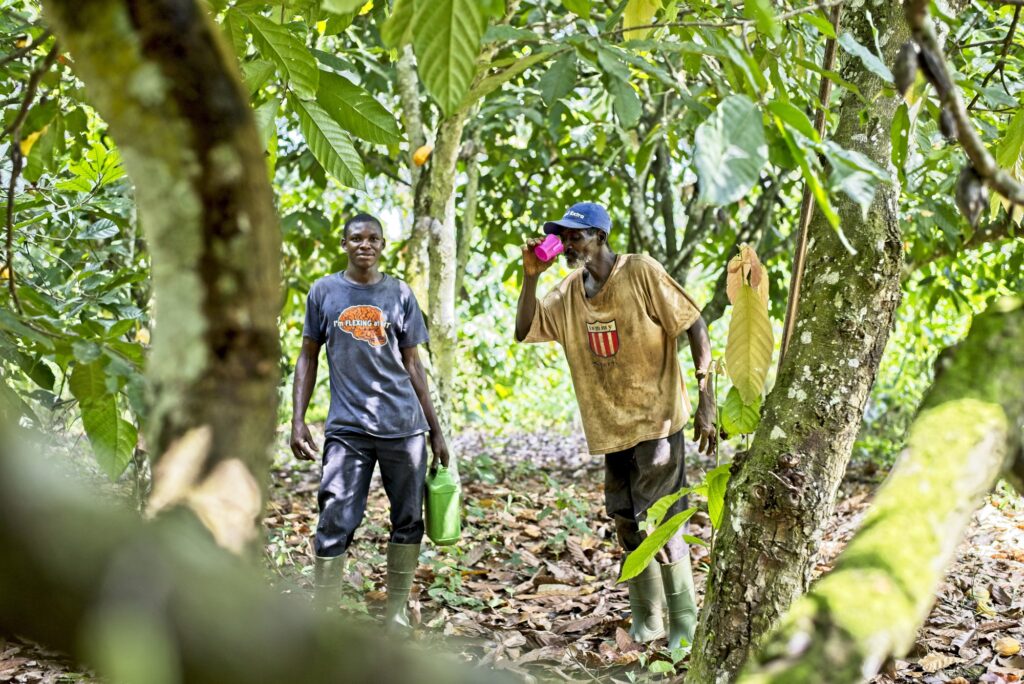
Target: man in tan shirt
617	317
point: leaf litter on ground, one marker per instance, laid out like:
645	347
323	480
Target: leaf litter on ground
530	588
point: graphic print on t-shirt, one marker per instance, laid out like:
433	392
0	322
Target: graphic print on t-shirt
603	337
366	323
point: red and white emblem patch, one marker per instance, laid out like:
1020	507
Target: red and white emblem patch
604	339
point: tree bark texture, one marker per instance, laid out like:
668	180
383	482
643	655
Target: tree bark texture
435	217
417	259
159	602
783	491
160	75
871	605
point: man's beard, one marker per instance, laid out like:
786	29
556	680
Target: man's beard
576	260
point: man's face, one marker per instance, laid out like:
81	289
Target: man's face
580	246
363	244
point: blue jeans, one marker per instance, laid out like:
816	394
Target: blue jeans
348	463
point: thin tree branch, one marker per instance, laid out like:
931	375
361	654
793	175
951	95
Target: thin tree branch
11	188
1001	62
994	231
16	163
933	63
21	52
729	22
807	204
30	91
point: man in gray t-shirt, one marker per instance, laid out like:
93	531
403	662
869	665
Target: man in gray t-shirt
380	411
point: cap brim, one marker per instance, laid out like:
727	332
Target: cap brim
556	227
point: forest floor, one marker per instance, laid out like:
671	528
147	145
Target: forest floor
531	588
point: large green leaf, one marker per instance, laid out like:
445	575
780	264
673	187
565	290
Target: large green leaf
397	30
716	482
748	351
810	175
446	38
739	418
283	48
871	61
899	135
494	81
342	6
794	118
356	110
331	146
649	547
578	7
626	103
657	510
764	17
266	120
112	438
730	151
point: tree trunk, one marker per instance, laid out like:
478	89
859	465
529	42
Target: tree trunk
417	259
871	605
161	77
467	229
435	218
783	492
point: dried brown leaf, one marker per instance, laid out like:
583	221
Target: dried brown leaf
933	662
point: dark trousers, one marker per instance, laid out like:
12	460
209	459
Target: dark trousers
636	478
348	463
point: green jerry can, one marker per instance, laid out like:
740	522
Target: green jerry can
444	506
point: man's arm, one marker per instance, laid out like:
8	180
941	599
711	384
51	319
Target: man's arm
704	432
527	308
301	441
411	361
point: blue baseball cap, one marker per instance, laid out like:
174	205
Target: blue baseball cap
581	215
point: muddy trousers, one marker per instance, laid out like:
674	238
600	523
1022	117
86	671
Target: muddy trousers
634	479
348	463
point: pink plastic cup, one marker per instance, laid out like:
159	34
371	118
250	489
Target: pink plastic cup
549	249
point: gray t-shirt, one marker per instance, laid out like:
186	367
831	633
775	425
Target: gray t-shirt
365	327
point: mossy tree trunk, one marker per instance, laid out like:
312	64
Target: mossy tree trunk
871	605
434	213
161	77
783	491
159	602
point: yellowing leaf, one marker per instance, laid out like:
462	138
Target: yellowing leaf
142	336
639	13
30	140
748	351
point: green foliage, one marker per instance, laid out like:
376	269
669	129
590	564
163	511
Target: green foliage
660	531
562	108
331	146
285	50
642	556
739	418
730	151
446	37
112	437
713	488
356	110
